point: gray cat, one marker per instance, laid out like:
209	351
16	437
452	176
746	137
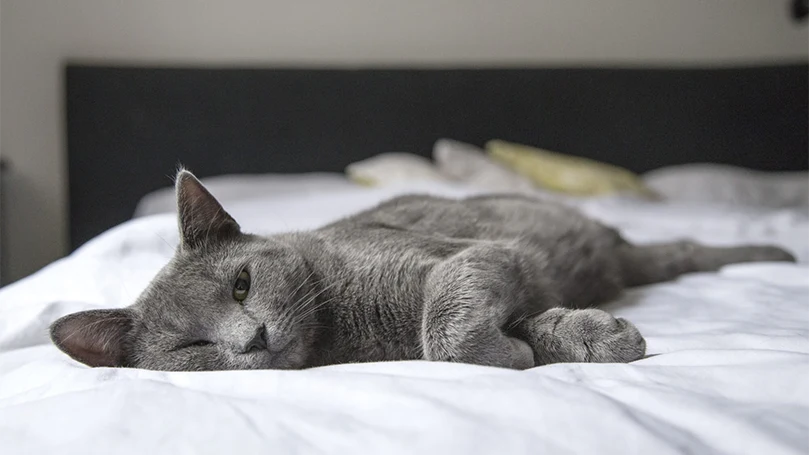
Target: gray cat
507	281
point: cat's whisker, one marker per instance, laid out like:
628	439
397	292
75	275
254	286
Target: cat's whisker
288	310
309	307
312	310
303	282
307	299
164	241
306	296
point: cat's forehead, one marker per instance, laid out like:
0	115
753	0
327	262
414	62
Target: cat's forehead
186	286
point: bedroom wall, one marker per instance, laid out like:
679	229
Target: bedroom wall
37	36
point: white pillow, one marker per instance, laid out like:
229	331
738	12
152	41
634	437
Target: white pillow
470	165
730	185
393	168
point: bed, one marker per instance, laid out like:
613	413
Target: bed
728	351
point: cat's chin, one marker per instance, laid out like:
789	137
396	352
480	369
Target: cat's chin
291	357
277	364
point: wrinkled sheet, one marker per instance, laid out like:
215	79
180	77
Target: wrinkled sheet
728	370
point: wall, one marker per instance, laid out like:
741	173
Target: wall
37	36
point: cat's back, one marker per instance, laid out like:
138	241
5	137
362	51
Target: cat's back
483	218
407	228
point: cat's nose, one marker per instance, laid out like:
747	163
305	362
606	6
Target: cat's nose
257	342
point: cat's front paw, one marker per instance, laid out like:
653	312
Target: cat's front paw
586	336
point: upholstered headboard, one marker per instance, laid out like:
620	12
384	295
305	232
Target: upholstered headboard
128	127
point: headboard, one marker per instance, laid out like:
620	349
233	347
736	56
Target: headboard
128	127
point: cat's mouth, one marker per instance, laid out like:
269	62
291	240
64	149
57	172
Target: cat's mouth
276	356
280	348
282	356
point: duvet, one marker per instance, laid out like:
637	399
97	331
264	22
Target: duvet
727	371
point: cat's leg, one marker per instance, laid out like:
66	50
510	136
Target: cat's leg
647	264
469	298
566	335
591	335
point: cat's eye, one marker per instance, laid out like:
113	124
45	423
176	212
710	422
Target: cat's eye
242	286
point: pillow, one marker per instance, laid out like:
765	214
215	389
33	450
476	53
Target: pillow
469	164
730	185
392	168
566	173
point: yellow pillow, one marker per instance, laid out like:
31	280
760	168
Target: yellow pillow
566	173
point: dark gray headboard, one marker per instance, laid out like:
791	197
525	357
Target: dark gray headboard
128	127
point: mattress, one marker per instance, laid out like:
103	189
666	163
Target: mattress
726	372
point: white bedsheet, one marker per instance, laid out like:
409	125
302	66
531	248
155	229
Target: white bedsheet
730	376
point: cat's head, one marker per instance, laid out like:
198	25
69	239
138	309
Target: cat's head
226	300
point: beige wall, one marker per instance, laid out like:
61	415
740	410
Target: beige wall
36	36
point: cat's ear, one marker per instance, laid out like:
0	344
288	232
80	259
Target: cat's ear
99	338
201	217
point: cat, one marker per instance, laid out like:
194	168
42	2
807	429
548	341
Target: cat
499	280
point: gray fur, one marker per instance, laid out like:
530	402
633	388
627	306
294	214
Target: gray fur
505	281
